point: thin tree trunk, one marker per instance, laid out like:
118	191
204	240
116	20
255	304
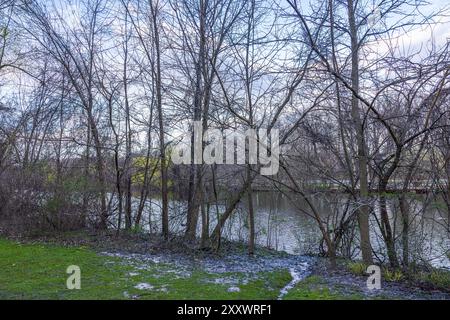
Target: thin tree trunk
363	214
195	178
251	217
205	220
387	231
404	210
127	165
163	163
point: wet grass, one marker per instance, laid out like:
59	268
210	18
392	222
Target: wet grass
37	271
316	288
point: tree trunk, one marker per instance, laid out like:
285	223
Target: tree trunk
100	173
127	165
387	230
251	217
196	169
162	151
404	210
363	214
205	221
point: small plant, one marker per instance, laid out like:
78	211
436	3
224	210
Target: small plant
357	268
438	278
393	275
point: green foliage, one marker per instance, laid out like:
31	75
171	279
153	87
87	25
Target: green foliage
357	268
437	278
4	32
153	171
139	164
53	205
65	191
75	184
393	275
68	183
137	229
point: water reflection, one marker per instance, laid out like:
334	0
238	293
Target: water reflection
282	222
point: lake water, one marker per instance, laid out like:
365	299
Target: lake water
283	223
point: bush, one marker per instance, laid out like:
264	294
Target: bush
137	229
357	268
393	275
437	278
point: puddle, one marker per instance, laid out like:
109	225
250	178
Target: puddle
296	278
144	286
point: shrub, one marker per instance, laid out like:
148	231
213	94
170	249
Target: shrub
393	275
137	229
437	278
357	268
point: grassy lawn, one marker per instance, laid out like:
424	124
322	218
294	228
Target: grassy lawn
36	271
315	288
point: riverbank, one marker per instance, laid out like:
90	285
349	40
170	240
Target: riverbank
135	266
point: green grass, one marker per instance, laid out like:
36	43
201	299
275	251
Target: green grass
37	271
316	288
